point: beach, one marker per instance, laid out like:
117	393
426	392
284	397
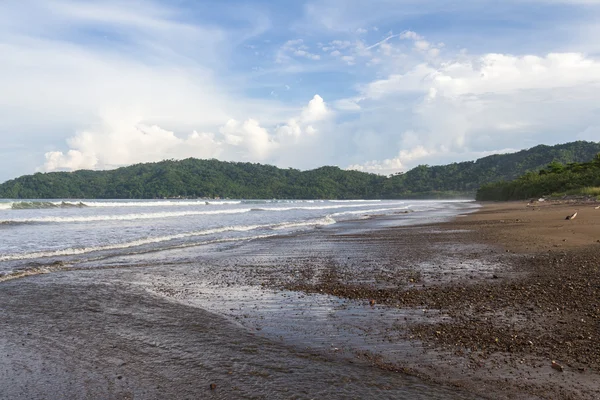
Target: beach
503	331
475	306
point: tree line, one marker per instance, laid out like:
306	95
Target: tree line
556	179
195	178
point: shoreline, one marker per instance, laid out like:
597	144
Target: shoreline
498	273
528	330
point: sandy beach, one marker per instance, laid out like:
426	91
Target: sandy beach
527	330
478	307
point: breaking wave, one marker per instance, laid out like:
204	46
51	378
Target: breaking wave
160	239
378	210
311	207
32	205
160	203
124	217
29	205
172	214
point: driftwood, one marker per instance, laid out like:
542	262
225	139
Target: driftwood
597	208
572	216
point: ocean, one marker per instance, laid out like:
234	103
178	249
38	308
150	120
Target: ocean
45	233
162	298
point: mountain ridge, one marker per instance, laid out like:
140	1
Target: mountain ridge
213	178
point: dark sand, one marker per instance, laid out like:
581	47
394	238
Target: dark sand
504	331
84	340
480	305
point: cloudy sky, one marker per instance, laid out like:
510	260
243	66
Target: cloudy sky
377	85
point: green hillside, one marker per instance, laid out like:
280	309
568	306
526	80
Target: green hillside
469	176
212	178
556	179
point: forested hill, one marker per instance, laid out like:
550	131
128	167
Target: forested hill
470	175
581	179
213	178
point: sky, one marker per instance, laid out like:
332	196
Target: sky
379	86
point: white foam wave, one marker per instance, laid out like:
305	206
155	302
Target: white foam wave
328	220
332	207
174	214
159	239
123	217
116	204
355	201
160	203
371	211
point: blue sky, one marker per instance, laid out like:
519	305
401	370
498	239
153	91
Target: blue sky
379	86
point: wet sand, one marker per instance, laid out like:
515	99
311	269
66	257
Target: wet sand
500	333
89	340
479	306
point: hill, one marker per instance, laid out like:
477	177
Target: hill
556	179
213	178
470	175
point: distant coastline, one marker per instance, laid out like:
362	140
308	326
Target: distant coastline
212	179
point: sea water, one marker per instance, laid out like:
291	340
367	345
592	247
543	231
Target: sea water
36	233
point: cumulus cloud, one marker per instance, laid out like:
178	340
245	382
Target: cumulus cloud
492	73
410	35
316	110
421	156
391	165
119	141
470	105
147	84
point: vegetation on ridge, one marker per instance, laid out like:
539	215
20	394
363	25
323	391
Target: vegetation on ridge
213	178
557	179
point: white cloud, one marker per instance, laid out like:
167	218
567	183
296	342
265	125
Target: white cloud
412	81
254	140
297	48
316	110
61	72
347	105
591	133
303	53
410	35
492	73
341	44
464	106
422	45
434	52
501	73
386	49
385	167
419	155
391	165
130	84
348	59
119	141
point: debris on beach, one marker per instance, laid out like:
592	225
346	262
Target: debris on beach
572	216
557	366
